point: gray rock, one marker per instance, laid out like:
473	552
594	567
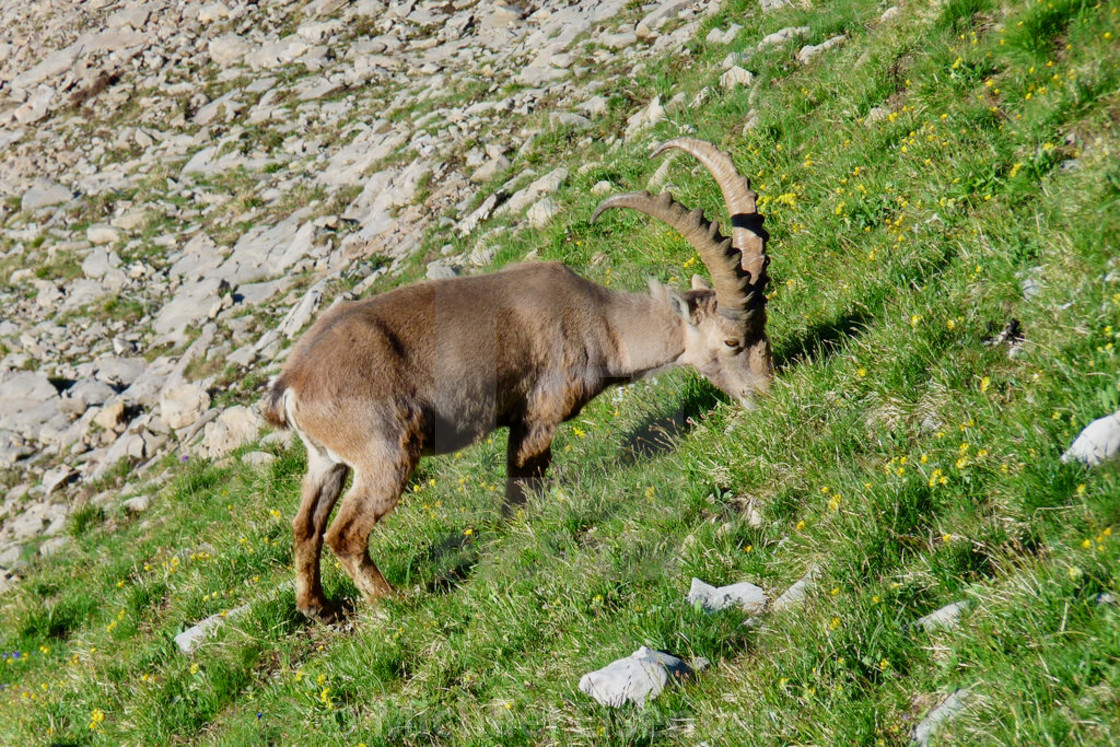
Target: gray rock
45	193
183	404
602	187
715	36
137	504
796	594
890	14
191	638
638	678
541	213
258	459
55	545
8	581
120	371
782	36
192	304
99	261
1098	442
949	708
771	5
594	107
13	448
439	271
947	617
523	198
102	233
25	388
53	64
569	119
90	391
301	313
664	10
736	76
233	428
11	557
481	213
644	119
29	524
58	478
621	40
212	12
745	595
283	439
490	169
809	51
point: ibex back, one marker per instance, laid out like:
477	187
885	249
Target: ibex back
431	368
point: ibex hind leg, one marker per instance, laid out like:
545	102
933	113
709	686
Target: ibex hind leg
322	485
378	483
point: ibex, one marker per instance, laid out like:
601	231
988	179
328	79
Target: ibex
433	367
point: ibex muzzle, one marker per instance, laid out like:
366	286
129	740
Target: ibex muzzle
431	368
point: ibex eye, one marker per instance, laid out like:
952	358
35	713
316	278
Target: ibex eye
731	343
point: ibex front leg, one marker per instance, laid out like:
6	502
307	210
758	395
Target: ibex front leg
378	482
528	455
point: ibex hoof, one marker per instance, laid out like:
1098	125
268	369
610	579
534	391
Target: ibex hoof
326	613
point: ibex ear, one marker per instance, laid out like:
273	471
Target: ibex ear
679	305
700	284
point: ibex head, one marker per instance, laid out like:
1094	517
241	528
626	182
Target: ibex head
725	322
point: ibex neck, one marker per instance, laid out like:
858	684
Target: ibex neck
649	334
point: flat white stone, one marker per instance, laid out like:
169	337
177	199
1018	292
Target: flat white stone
1098	443
949	708
944	618
745	595
193	637
638	678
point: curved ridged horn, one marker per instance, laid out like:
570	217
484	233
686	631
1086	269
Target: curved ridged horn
730	282
747	234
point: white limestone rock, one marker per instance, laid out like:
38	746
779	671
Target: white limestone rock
235	427
191	638
716	36
638	678
809	51
301	313
644	119
137	504
523	198
45	193
1098	442
744	595
949	708
227	49
258	459
541	213
183	404
795	594
736	76
942	619
782	36
102	233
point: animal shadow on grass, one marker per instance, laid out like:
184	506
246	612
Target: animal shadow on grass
453	557
658	434
822	340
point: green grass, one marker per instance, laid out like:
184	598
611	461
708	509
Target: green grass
914	464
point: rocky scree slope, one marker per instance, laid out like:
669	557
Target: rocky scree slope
183	183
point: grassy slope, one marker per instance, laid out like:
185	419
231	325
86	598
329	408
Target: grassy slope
913	463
